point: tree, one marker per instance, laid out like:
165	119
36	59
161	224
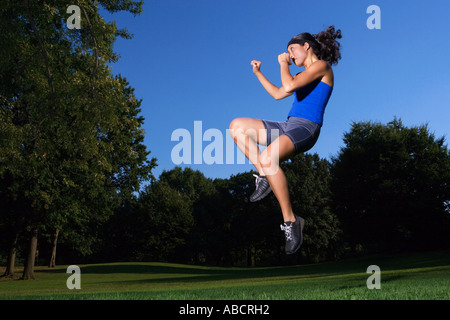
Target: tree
190	182
163	221
309	187
12	221
391	188
253	236
202	194
72	143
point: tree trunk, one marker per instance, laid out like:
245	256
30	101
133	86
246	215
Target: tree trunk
9	272
250	257
53	257
28	271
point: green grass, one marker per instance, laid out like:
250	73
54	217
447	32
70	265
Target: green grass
405	277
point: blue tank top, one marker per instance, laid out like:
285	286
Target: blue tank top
310	101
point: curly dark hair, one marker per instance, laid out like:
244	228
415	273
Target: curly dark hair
323	44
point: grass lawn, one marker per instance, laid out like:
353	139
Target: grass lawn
418	276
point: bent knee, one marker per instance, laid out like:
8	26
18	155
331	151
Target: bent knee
269	160
236	124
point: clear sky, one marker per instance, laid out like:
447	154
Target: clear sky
189	61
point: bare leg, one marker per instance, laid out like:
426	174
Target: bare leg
275	153
247	134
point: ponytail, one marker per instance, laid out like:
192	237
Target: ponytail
323	44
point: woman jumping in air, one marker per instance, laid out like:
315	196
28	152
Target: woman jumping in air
312	89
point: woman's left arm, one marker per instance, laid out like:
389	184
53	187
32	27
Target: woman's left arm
290	83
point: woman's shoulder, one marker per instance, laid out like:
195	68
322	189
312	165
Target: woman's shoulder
328	77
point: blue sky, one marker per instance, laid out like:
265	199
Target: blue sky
189	61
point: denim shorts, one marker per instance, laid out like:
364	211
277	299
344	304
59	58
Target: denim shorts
302	132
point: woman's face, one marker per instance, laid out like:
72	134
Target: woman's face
298	53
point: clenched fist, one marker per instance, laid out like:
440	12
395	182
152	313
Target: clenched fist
284	58
256	65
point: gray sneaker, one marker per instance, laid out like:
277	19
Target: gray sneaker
262	189
293	231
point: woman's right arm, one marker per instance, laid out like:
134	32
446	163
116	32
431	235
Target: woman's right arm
273	90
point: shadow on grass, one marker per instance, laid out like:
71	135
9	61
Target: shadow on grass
166	273
172	273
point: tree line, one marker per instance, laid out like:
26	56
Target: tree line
386	191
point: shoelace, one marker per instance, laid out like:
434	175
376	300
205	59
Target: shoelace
287	231
258	180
